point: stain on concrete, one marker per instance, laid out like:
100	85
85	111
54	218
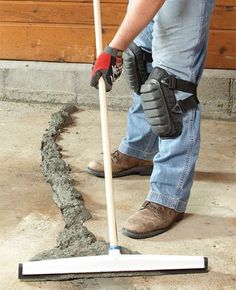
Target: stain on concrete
75	239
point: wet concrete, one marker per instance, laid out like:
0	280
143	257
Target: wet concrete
75	240
30	222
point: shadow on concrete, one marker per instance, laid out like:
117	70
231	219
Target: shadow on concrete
200	227
222	177
215	176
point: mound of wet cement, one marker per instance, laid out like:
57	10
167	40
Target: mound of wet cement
75	239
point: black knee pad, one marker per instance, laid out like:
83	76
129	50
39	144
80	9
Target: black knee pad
135	60
161	108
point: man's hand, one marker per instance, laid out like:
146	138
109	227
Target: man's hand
108	66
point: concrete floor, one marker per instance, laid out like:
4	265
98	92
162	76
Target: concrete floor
30	222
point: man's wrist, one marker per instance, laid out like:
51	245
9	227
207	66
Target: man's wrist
113	51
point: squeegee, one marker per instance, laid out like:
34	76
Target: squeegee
114	263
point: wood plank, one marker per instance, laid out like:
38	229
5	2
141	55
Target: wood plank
47	43
226	2
60	43
51	12
221	49
75	1
218	2
224	18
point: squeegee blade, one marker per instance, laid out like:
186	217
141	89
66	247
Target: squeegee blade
110	263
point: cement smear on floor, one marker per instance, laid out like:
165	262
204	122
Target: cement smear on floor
75	240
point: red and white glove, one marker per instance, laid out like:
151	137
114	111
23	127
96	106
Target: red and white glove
108	66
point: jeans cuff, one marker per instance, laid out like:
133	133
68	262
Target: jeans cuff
168	201
130	151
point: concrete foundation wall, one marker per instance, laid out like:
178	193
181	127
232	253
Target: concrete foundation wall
62	83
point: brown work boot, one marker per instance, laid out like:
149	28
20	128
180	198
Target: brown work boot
122	165
152	219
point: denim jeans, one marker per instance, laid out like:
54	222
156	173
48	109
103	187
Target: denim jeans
177	37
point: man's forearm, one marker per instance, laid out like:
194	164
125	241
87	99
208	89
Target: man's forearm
137	17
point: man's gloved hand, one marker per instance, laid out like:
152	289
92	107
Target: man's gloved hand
108	66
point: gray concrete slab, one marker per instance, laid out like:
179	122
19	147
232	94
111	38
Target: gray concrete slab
30	222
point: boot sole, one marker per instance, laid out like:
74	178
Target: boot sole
135	235
143	171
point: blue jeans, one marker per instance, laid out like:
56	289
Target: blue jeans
177	38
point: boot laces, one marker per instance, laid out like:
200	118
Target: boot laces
115	156
156	209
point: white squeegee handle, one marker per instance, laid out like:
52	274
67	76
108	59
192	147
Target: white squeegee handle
105	135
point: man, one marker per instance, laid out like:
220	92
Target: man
163	132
